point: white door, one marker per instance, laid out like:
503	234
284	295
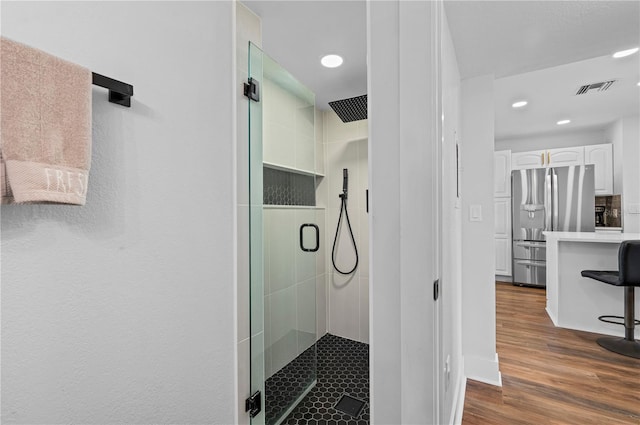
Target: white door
525	160
502	174
601	156
565	156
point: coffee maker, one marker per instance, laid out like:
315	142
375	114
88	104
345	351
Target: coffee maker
600	216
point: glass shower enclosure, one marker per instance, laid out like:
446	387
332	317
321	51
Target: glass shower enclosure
284	239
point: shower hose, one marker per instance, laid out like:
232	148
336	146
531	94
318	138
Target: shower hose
343	207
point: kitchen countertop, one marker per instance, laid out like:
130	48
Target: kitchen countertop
602	237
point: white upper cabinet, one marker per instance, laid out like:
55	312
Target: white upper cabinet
548	158
502	174
565	156
525	160
602	157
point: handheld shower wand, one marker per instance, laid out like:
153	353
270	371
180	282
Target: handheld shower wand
343	207
345	183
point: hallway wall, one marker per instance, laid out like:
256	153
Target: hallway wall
478	278
122	311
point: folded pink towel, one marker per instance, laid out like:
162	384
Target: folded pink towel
45	127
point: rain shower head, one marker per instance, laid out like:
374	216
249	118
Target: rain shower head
352	109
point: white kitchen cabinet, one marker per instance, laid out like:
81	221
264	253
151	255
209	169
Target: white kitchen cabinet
526	160
602	157
502	174
565	156
548	158
503	256
502	217
502	233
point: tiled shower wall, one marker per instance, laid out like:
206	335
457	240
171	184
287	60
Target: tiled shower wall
291	277
346	146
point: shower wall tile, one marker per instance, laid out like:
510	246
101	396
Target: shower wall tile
243	272
344	307
321	306
278	140
346	146
340	156
337	131
305	152
281	247
284	342
306	313
320	219
319	135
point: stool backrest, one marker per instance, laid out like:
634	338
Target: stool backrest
629	263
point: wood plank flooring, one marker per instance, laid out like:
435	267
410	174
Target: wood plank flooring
551	375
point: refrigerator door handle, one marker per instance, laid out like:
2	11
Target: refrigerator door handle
531	263
547	201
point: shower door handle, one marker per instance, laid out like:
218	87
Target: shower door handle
317	232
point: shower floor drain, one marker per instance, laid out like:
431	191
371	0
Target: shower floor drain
349	405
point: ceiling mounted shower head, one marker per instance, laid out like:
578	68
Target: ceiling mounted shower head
352	109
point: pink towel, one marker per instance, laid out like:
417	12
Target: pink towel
45	127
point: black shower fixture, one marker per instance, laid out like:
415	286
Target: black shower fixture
352	109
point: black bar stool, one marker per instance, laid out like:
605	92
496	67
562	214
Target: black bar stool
628	275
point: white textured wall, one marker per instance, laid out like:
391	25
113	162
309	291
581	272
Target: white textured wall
478	255
346	146
452	377
562	139
404	166
122	311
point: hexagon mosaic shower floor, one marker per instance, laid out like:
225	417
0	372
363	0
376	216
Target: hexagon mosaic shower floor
343	368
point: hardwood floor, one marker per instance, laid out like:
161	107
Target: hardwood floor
551	375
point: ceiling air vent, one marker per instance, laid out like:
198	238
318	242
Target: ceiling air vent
595	87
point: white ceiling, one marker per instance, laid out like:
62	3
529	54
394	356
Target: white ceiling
551	96
511	37
504	38
296	34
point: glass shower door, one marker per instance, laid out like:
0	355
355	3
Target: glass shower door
284	238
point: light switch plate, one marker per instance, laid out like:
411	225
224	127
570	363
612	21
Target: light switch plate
475	213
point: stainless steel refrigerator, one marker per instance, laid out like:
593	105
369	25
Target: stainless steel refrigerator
543	199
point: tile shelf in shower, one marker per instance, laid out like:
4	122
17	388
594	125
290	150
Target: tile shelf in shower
291	169
291	207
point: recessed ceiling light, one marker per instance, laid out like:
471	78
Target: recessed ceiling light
623	53
331	61
639	83
563	122
519	104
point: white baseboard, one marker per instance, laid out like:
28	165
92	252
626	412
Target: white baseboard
483	370
458	399
503	278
